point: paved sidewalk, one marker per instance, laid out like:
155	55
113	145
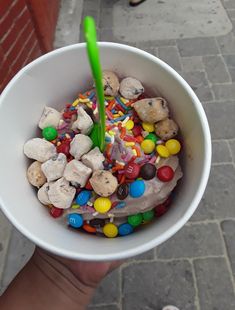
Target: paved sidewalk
195	269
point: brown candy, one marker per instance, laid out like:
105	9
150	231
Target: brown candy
97	222
148	171
122	191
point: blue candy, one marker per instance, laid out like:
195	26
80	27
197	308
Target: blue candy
83	197
120	205
137	188
125	229
75	220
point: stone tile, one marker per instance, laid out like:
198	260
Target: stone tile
145	256
232	146
228	228
19	252
5	233
229	4
111	285
155	43
219	197
195	79
226	43
91	5
108	3
230	60
220	152
204	93
191	64
104	307
214	284
221	117
106	18
197	47
231	13
156	284
232	73
192	240
216	70
170	55
224	91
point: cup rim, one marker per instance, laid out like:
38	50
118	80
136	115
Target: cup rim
197	196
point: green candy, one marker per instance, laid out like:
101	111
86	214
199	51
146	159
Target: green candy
148	215
49	133
94	135
151	136
135	220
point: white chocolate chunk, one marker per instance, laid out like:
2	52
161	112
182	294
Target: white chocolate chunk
77	173
35	174
39	149
80	145
54	167
94	159
131	88
84	122
151	110
110	83
50	117
43	194
103	183
61	194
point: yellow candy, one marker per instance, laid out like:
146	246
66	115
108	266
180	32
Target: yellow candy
129	124
102	204
129	143
162	151
147	146
110	230
148	127
75	206
75	103
173	146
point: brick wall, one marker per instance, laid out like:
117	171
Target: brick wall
26	32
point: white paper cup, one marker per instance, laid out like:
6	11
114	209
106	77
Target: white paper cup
55	79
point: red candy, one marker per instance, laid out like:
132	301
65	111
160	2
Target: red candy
165	173
64	147
132	170
56	212
88	186
136	130
162	208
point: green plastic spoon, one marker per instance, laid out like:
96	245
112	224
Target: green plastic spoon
98	132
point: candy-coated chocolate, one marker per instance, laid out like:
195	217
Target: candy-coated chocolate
173	146
89	228
55	212
122	191
152	136
110	230
125	229
148	171
148	127
49	133
135	219
162	151
147	146
83	197
148	215
165	173
136	130
132	170
75	220
137	188
102	204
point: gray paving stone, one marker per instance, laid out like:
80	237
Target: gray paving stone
108	291
155	43
195	79
197	47
191	64
156	284
170	55
5	233
231	13
232	73
197	240
104	307
232	146
106	18
221	117
224	91
219	197
229	4
204	93
19	251
220	152
230	60
226	43
216	70
108	3
145	256
214	284
91	4
228	228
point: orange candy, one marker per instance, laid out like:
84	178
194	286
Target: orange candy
88	228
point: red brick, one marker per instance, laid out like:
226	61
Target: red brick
4	7
18	7
9	76
35	53
5	69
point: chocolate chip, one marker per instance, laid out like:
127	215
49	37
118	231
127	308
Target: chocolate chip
122	191
150	103
148	171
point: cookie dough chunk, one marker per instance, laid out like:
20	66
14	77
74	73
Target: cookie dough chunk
110	83
80	145
83	123
50	118
166	129
35	174
39	149
103	183
151	110
61	194
43	194
77	173
94	159
131	88
54	167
